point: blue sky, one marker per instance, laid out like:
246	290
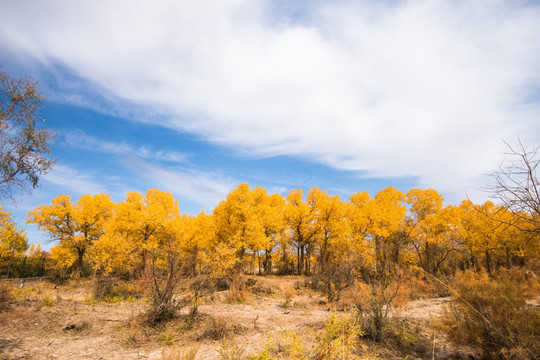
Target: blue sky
196	97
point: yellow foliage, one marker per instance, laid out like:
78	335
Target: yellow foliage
75	226
12	240
491	316
63	258
245	220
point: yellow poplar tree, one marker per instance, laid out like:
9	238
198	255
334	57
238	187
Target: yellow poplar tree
12	240
75	226
269	209
490	236
151	234
13	243
359	225
301	228
432	229
238	224
138	226
333	227
197	234
385	214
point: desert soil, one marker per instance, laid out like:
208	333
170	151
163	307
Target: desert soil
48	321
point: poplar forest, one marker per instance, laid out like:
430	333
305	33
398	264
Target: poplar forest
362	274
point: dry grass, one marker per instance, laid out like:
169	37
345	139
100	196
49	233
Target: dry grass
219	328
491	315
6	295
288	293
181	353
74	329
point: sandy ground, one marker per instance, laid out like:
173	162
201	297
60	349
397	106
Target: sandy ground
48	322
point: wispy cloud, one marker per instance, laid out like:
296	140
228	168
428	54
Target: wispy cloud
84	141
73	182
204	188
403	88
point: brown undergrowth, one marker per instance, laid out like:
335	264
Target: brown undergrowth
59	321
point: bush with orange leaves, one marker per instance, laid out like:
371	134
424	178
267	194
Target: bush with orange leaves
492	317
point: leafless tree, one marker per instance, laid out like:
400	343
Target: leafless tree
517	186
24	144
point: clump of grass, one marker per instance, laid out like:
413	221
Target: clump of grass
230	351
237	291
111	290
286	344
90	300
166	339
218	328
47	301
135	332
181	353
6	295
24	293
288	293
339	339
408	337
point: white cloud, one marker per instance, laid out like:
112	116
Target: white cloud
409	88
206	189
84	141
73	182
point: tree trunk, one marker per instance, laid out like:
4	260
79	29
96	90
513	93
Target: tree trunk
488	262
268	262
80	256
302	260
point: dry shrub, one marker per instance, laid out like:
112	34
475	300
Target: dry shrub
181	353
6	295
356	295
376	302
492	317
372	317
103	285
218	328
407	337
339	339
331	283
288	293
159	287
136	332
230	351
420	287
112	290
286	344
528	282
238	293
263	290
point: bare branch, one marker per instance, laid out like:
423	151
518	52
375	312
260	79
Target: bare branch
516	186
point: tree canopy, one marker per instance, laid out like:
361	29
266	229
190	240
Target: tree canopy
24	143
